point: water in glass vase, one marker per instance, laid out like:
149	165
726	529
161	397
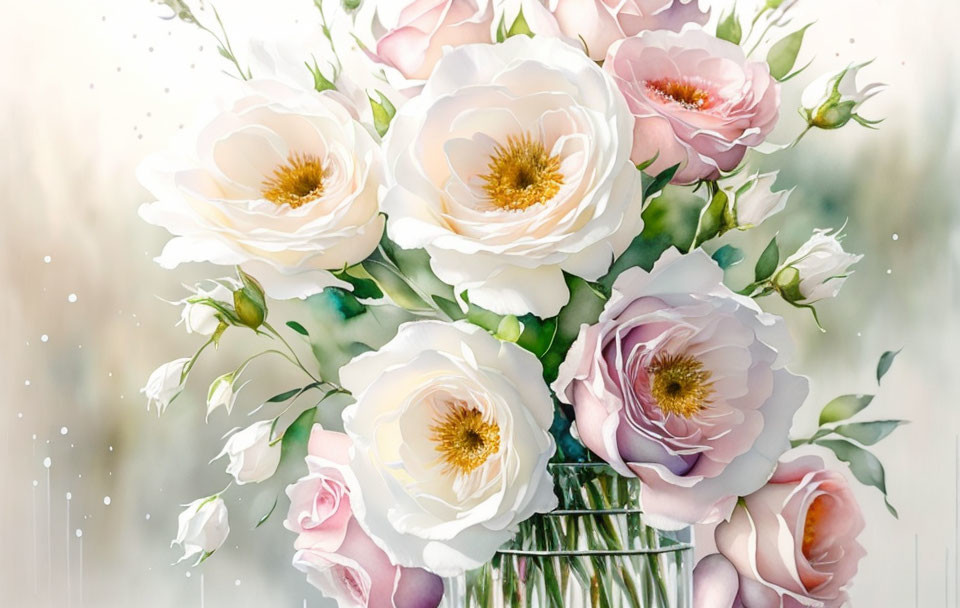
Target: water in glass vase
593	551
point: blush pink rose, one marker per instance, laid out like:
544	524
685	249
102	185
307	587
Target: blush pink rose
600	23
794	541
424	27
338	557
681	383
698	101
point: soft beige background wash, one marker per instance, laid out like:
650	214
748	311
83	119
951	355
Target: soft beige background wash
89	88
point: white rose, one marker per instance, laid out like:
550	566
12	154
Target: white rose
202	528
816	271
164	384
511	168
253	455
199	318
450	444
283	182
751	198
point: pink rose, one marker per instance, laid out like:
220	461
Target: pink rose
424	27
600	23
681	383
794	540
697	101
339	558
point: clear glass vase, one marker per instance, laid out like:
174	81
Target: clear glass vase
593	551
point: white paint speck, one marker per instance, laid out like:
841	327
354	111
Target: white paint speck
69	496
26	383
64	430
35	483
106	500
889	271
147	516
47	462
895	236
72	298
79	532
44	338
46	259
236	583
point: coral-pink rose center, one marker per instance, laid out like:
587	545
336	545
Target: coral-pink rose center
688	93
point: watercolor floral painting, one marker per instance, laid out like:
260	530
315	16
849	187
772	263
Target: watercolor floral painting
486	303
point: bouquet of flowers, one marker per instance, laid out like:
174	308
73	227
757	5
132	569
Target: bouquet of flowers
501	223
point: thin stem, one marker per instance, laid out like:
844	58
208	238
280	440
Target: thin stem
295	360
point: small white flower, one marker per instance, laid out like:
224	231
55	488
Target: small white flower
829	102
253	456
816	271
751	197
198	317
165	384
222	393
203	527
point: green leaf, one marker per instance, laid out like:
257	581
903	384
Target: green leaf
284	396
868	433
520	26
642	166
886	360
449	308
393	285
767	262
727	256
584	307
729	27
267	515
300	329
783	55
293	445
660	181
538	334
502	29
383	113
320	82
843	407
364	286
712	219
865	466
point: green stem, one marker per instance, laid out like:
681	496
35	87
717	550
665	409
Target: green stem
296	360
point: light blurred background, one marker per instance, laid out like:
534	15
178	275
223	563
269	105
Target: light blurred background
89	88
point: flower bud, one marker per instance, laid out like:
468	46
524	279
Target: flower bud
816	271
202	528
222	393
253	456
249	301
197	316
751	198
830	101
165	384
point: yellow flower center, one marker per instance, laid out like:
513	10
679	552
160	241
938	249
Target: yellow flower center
814	515
295	183
464	439
522	174
688	94
680	385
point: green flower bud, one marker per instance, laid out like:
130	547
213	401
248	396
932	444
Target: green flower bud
249	301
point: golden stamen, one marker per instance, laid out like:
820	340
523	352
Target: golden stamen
296	183
687	94
464	439
814	515
680	385
522	174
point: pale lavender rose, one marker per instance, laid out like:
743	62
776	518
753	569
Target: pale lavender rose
415	44
681	383
600	23
795	540
698	101
338	557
